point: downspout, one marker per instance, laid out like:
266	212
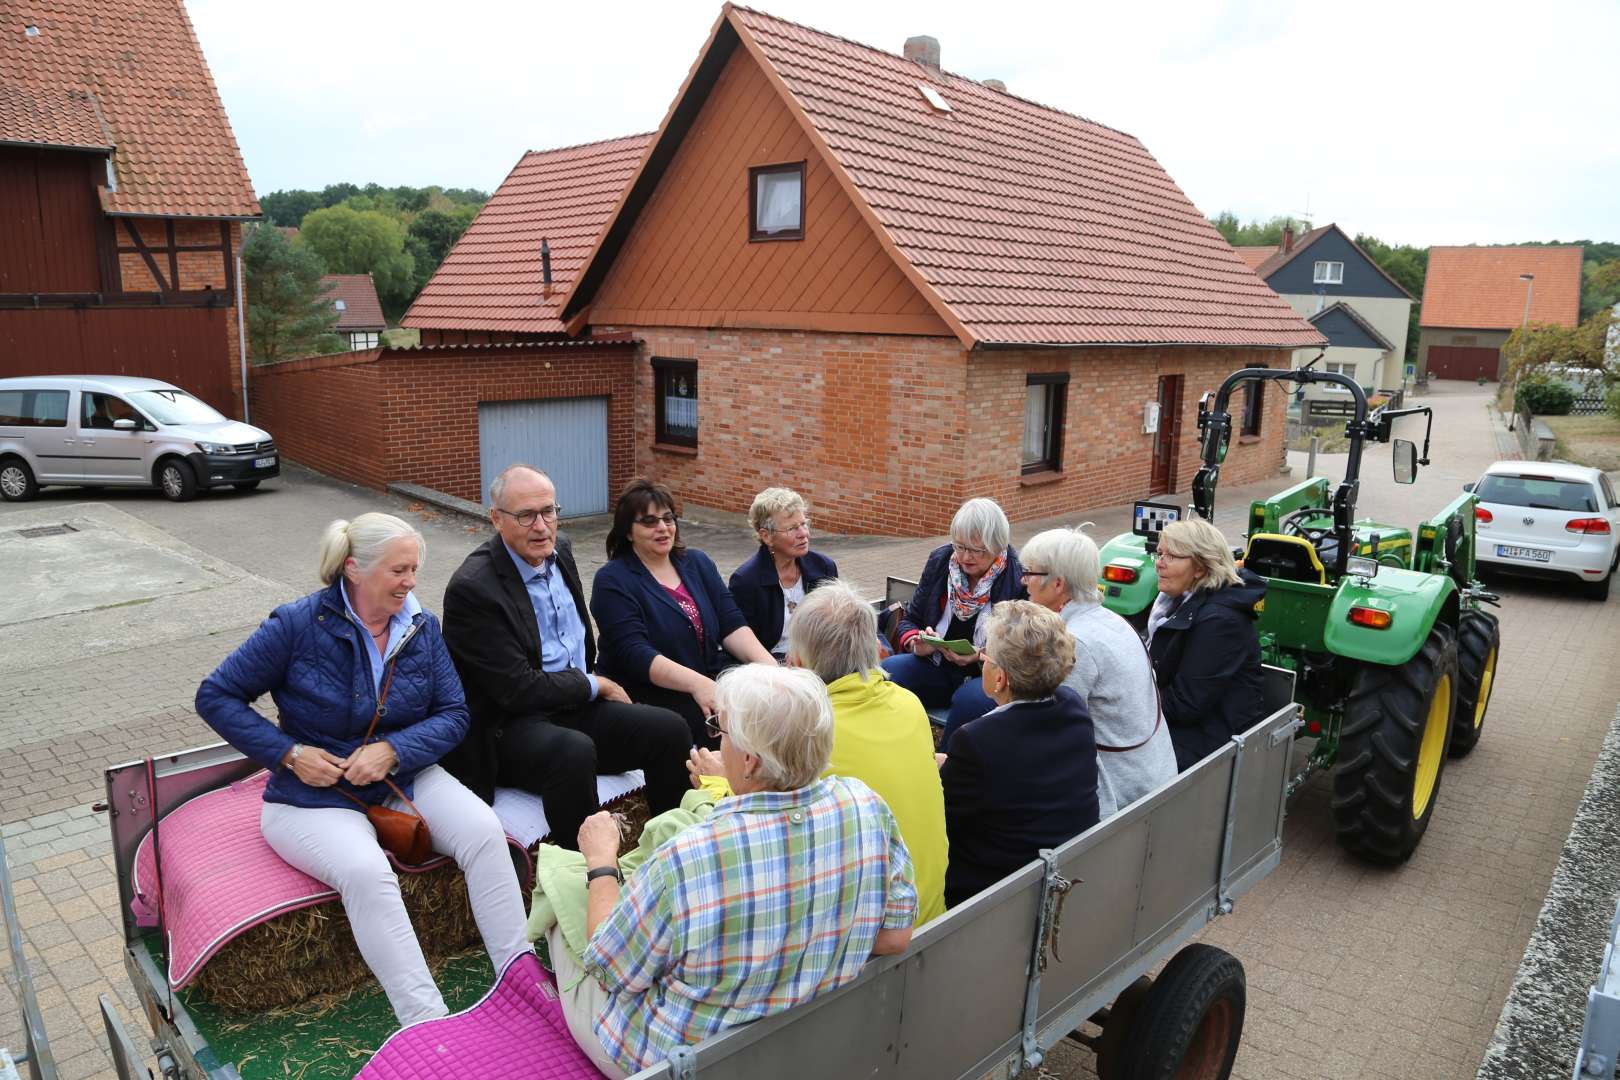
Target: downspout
241	338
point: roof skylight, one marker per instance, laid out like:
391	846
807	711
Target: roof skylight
934	98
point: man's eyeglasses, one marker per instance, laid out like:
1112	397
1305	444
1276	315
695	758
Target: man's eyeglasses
711	724
652	521
526	518
803	526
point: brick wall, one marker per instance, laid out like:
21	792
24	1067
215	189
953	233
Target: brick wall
411	415
889	434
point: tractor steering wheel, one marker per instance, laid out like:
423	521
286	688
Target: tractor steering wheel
1291	525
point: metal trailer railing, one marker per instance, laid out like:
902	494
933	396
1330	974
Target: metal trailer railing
1599	1054
36	1052
987	988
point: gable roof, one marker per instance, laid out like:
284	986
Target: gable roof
491	280
1254	254
139	64
43	116
361	308
1279	260
1478	288
1343	310
1020	224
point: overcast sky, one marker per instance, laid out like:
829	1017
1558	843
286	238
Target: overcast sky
1418	122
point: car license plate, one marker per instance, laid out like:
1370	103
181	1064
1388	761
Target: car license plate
267	462
1533	554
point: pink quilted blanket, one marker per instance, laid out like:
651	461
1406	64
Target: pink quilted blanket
220	878
517	1032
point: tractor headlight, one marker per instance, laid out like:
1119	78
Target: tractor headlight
1363	568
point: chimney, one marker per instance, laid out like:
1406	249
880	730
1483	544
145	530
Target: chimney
545	266
923	50
1287	239
996	84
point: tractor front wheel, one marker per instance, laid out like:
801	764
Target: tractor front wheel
1392	748
1479	640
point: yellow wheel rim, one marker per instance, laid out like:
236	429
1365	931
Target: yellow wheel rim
1433	747
1487	674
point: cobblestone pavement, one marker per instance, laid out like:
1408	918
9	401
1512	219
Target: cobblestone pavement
1352	971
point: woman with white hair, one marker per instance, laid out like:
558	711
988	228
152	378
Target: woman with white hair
1202	635
959	583
1023	776
368	702
775	580
783	892
1111	672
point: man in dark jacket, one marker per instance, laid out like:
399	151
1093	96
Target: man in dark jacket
515	624
1203	640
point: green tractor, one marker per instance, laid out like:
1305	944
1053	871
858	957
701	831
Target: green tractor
1381	630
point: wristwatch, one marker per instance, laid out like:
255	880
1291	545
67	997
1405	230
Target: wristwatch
604	871
292	759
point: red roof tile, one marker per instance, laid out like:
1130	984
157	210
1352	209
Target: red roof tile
174	152
361	308
1478	288
42	116
1021	224
1255	254
491	278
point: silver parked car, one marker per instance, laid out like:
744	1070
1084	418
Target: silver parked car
119	431
1548	519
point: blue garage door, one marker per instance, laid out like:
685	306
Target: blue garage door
567	437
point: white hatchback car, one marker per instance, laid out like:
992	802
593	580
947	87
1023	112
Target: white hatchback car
1548	519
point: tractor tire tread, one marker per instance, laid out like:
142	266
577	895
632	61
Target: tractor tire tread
1477	634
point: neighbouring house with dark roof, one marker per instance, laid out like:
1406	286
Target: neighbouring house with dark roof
1474	297
1361	311
360	318
889	287
122	197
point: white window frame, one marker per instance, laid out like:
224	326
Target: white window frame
1339	367
362	339
1328	273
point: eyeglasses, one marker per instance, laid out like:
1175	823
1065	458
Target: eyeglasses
1028	573
801	527
1162	554
711	724
965	549
652	521
526	518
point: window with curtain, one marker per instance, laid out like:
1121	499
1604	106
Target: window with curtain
776	202
1044	397
675	401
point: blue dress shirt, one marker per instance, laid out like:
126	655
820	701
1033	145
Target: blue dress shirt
398	623
562	632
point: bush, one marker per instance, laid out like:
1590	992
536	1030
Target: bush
1541	396
1612	401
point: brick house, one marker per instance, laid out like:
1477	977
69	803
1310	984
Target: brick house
1474	297
122	197
360	318
889	287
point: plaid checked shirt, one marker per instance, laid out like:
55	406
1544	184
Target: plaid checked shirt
776	897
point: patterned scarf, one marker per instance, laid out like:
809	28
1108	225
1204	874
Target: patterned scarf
964	601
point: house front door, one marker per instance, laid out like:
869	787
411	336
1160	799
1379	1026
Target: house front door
1167	440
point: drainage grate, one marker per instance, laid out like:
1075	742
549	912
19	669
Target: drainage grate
45	530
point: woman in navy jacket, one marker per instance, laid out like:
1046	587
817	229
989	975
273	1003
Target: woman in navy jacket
666	621
959	583
329	662
776	578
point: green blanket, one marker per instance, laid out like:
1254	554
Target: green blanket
559	874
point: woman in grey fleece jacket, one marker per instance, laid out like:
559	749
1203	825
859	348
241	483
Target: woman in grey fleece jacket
1111	672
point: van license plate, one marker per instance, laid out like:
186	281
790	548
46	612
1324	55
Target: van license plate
267	462
1533	554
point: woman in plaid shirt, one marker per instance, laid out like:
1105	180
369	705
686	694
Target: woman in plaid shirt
784	892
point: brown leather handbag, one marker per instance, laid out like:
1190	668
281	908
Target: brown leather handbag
404	835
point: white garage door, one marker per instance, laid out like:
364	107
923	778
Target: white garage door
567	437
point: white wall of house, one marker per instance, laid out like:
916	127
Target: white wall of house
1387	316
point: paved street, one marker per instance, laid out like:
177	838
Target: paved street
1352	971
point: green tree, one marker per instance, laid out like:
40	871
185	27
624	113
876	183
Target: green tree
1255	232
1600	287
288	314
1408	266
288	208
364	242
1580	346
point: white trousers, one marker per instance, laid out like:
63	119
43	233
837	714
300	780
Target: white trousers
581	1004
339	847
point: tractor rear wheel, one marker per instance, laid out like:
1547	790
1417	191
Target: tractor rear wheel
1479	640
1392	748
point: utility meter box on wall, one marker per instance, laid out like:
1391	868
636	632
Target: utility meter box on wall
1150	418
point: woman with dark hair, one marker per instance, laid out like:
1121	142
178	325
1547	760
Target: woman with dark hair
666	620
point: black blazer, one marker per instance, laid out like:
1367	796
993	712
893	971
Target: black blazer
1206	658
641	622
494	639
758	591
1016	781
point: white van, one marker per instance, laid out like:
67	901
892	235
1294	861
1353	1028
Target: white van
118	431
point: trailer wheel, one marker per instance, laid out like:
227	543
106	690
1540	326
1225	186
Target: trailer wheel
1479	640
1392	749
1190	1025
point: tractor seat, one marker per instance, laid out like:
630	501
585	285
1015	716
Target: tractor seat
1290	558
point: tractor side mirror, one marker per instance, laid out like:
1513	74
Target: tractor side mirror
1405	461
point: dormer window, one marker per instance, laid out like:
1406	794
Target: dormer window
776	202
1329	273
